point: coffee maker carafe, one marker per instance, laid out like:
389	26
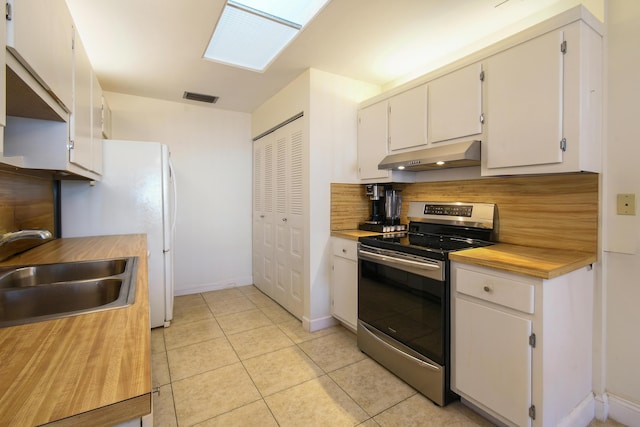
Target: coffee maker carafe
393	205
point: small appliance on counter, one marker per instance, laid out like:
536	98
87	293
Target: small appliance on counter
386	204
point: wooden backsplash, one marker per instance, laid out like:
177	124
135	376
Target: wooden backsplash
547	211
26	202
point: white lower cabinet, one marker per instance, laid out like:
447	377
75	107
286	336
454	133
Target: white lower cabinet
521	346
344	281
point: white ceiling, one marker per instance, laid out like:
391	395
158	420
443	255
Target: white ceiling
154	48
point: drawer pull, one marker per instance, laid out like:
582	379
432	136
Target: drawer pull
344	251
487	289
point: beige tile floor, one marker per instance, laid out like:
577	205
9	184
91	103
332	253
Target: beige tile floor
235	358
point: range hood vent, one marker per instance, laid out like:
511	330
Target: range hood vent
460	154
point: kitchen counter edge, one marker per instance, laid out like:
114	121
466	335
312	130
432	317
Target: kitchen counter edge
543	263
91	369
353	234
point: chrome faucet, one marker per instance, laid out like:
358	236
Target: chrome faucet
24	234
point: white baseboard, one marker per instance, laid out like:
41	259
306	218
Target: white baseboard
624	411
313	325
617	408
208	287
582	414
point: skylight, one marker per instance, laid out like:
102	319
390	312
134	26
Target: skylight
251	33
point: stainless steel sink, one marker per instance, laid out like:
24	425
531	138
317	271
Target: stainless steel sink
35	293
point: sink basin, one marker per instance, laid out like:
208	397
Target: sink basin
35	275
36	293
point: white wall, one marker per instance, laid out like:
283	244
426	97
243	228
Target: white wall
621	261
333	153
211	150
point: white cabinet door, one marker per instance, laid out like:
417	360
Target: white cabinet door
455	104
39	35
344	282
80	128
372	140
106	118
524	90
408	119
493	359
345	290
96	125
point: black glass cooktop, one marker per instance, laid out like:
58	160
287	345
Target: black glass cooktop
433	241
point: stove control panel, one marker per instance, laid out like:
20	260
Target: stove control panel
477	215
448	210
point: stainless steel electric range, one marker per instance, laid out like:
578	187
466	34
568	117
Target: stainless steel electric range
404	291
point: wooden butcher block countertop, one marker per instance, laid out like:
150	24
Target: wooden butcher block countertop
537	262
353	234
92	369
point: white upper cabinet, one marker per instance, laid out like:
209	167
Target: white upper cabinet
373	145
80	126
455	105
524	103
97	137
533	99
408	119
39	36
54	101
86	119
106	118
372	140
543	109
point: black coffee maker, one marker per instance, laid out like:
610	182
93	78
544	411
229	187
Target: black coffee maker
385	209
376	193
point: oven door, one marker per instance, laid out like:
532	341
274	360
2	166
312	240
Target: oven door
404	297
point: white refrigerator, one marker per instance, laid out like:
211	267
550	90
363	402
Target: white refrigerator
137	194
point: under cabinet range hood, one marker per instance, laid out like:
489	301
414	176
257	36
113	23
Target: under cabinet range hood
460	154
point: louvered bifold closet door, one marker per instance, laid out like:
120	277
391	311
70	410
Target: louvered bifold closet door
263	230
279	211
296	220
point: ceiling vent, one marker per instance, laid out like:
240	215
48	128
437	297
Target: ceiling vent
200	97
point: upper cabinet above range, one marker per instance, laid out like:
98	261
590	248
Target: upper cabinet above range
408	119
39	36
534	100
455	104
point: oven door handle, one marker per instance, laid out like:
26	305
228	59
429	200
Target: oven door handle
400	352
372	256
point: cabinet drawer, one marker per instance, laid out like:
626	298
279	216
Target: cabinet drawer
345	248
499	290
